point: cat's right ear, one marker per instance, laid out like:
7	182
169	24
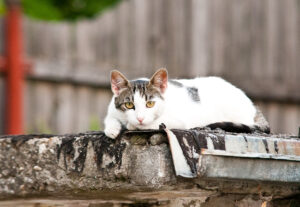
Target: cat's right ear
118	82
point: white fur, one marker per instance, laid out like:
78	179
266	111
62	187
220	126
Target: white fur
219	101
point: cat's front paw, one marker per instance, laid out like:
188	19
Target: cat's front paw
113	131
130	127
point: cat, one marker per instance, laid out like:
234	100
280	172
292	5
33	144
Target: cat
182	104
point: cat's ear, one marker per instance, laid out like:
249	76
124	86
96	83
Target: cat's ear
160	79
118	82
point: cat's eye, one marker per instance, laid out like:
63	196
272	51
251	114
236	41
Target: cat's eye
150	104
129	105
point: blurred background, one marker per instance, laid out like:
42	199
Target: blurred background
67	49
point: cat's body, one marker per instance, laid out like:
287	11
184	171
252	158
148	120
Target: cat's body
181	104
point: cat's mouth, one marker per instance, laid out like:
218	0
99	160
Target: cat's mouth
140	126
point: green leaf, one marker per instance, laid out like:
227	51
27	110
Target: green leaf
2	7
70	10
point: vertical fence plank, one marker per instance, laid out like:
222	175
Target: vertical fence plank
65	112
141	26
238	40
291	57
29	106
218	12
124	33
110	40
102	99
281	61
273	38
185	70
290	119
158	31
84	45
83	98
199	38
273	116
257	41
170	36
43	112
177	50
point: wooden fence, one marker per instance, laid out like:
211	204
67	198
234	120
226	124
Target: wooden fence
254	44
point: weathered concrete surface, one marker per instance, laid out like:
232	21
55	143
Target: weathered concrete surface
122	172
80	162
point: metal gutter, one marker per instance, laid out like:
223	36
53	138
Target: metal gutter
220	155
237	168
255	147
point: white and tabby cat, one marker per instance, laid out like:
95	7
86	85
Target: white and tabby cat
180	104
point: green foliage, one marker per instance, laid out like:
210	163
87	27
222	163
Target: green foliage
2	7
44	9
70	10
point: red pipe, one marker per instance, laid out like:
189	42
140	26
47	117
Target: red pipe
14	70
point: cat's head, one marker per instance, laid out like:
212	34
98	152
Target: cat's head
142	100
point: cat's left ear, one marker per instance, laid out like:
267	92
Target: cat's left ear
118	82
160	79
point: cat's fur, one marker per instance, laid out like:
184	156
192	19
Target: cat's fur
181	104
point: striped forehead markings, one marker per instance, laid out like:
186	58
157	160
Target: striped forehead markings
140	85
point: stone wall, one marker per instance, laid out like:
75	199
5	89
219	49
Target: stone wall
135	170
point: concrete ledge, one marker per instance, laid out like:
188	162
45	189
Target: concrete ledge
91	164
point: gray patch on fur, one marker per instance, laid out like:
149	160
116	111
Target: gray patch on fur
193	93
125	96
176	83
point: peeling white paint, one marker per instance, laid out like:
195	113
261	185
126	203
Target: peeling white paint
180	163
210	144
195	153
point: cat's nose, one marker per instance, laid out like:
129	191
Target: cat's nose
140	119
